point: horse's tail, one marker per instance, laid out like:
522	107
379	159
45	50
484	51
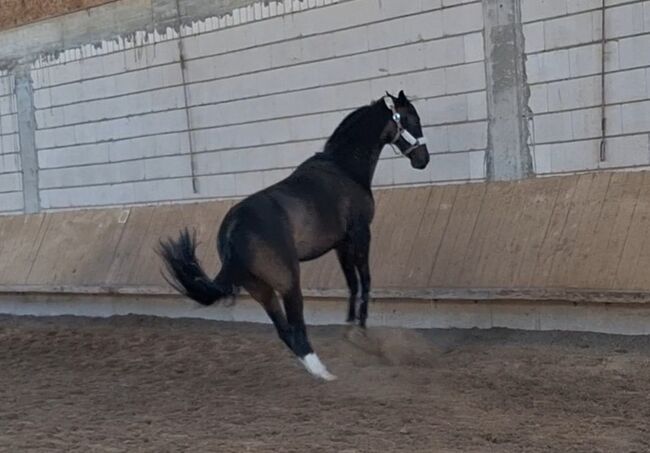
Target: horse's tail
185	274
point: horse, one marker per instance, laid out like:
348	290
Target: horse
325	204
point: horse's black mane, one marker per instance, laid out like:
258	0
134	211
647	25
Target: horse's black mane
356	142
353	131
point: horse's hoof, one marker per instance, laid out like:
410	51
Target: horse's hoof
316	367
326	376
329	377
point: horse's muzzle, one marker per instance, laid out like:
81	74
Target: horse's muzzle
420	157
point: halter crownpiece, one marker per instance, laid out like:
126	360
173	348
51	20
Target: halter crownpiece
401	130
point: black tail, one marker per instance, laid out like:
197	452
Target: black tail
186	275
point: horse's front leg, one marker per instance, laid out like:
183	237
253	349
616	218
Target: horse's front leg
345	254
362	262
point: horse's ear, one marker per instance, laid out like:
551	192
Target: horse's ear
401	98
389	95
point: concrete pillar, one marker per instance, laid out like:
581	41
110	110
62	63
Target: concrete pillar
508	156
27	135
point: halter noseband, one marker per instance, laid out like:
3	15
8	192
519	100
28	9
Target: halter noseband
401	130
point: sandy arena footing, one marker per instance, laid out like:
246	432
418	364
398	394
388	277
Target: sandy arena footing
152	384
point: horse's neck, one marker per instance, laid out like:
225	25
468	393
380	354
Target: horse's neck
361	163
358	156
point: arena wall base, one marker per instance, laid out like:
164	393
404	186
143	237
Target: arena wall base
602	317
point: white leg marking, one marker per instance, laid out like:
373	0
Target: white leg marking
316	367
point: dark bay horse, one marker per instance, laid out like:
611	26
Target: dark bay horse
325	204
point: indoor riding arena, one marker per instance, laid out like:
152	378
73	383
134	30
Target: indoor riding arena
510	278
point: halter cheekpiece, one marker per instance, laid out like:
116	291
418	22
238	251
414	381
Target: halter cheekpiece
401	130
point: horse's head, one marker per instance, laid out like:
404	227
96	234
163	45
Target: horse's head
405	131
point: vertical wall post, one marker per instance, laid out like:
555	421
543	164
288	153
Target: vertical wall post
27	135
508	156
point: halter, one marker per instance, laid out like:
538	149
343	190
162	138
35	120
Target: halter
401	130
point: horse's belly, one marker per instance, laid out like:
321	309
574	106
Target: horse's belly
316	231
311	248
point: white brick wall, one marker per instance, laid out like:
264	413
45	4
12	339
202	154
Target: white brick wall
563	46
112	123
116	124
264	87
11	196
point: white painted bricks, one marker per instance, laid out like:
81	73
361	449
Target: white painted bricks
563	67
265	94
10	182
11	202
273	91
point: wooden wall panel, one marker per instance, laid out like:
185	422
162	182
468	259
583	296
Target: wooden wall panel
586	231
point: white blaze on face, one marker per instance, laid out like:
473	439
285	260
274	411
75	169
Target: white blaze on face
316	367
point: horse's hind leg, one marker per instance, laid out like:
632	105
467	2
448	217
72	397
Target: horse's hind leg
273	265
293	307
290	327
265	295
345	254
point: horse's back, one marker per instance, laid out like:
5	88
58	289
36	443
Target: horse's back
321	202
304	216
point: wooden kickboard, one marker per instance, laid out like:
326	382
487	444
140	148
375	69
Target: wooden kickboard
585	231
